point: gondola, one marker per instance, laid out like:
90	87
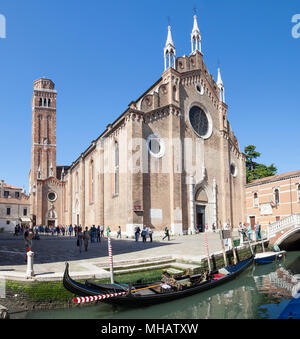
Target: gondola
160	292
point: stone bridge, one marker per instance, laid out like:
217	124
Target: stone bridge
286	233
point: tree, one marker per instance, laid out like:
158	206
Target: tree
255	170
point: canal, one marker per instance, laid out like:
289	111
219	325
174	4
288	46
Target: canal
261	292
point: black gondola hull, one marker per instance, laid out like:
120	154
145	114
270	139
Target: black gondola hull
135	300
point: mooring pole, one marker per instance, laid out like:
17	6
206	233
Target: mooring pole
207	252
223	248
30	271
111	265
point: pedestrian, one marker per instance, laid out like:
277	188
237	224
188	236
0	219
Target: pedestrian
108	231
167	234
75	230
98	234
206	228
119	233
258	231
214	227
70	230
63	230
16	231
28	236
93	233
79	239
150	232
137	232
102	231
144	234
86	238
249	232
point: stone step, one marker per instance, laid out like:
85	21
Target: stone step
144	265
138	262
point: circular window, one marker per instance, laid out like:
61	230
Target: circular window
52	196
199	121
156	146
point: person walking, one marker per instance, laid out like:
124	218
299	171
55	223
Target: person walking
93	233
63	230
79	239
86	238
137	233
144	234
76	230
167	234
150	232
70	230
108	231
102	231
249	232
98	234
28	236
119	233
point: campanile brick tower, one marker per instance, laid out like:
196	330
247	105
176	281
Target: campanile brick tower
43	149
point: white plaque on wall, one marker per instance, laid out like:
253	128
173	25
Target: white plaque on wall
156	214
266	209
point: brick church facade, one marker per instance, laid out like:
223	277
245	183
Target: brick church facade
171	159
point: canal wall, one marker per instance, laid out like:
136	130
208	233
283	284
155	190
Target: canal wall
33	295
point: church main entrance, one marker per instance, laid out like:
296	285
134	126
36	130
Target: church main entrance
200	218
51	223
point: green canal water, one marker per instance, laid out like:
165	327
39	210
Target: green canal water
261	292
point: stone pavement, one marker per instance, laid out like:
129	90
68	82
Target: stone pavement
51	253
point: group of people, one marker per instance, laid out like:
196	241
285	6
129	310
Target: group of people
246	231
148	232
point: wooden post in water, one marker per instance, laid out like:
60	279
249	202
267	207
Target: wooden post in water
223	247
233	248
207	252
111	265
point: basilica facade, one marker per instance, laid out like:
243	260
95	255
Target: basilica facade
171	159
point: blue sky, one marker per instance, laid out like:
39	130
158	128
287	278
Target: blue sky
104	54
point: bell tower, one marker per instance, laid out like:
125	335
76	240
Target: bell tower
43	149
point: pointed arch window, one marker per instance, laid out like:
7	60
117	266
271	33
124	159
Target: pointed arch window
76	183
277	196
298	193
45	102
117	170
41	102
49	102
255	198
92	181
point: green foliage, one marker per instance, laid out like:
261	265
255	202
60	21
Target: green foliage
255	170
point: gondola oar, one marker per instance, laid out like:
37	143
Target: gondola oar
108	296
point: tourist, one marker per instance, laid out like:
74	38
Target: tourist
137	232
108	231
98	234
63	230
144	234
102	231
167	234
150	232
258	231
86	238
28	236
79	239
16	230
70	230
75	230
249	232
93	233
119	233
214	227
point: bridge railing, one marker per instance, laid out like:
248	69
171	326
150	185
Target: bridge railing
278	226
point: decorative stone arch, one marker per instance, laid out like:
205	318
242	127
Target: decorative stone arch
204	197
286	235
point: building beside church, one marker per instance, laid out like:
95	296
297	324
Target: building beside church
273	198
171	159
14	207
